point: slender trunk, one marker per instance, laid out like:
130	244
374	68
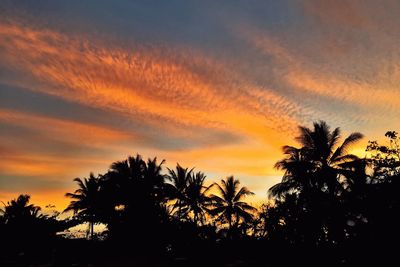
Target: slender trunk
179	210
195	218
91	230
230	235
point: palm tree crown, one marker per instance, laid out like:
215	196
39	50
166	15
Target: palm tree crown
86	203
196	198
177	187
318	163
229	205
20	209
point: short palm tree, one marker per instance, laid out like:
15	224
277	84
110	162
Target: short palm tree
229	205
86	203
20	209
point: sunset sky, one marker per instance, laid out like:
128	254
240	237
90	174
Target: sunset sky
216	85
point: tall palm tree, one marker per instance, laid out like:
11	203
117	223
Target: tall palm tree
154	181
229	205
298	176
318	164
196	197
317	177
86	203
177	187
125	177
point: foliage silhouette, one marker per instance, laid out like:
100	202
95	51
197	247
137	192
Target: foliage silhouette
229	206
196	197
328	203
86	203
178	183
317	177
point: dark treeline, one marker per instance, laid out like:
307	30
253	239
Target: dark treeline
331	208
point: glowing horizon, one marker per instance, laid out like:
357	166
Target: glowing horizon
220	87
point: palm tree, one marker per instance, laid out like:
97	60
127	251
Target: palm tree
179	180
20	209
298	176
196	198
86	203
317	176
228	206
125	177
319	164
154	180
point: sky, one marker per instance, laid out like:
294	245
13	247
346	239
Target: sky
216	85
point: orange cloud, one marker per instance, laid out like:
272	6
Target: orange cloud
175	92
68	131
150	86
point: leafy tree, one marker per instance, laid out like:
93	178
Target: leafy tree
385	158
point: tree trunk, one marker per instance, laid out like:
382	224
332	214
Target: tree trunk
91	230
230	226
179	211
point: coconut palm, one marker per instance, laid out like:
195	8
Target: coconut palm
19	209
317	176
177	186
154	181
195	198
86	203
124	177
229	205
319	164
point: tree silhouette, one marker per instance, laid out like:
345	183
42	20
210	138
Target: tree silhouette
229	206
317	177
23	226
178	183
196	198
86	203
134	195
20	210
318	163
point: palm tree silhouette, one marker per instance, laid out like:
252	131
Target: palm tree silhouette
319	162
196	198
20	209
228	206
179	180
86	203
316	177
134	194
154	180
